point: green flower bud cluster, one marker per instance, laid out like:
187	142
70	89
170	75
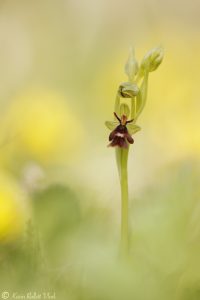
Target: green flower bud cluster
135	89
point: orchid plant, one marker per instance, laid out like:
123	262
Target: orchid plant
122	128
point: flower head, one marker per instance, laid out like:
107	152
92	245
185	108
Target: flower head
120	136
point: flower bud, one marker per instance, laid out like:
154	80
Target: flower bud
131	66
152	60
124	110
128	90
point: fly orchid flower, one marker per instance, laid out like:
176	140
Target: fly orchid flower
121	135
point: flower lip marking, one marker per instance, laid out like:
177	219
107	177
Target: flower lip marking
120	135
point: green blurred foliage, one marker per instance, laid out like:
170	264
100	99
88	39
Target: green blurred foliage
61	63
71	249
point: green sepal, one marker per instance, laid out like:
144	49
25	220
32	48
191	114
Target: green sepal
132	128
111	124
124	110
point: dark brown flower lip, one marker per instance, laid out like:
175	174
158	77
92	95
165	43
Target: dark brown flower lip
119	142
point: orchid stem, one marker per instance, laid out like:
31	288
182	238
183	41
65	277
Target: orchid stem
124	247
122	162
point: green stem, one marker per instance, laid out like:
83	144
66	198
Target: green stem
117	104
122	161
133	108
124	203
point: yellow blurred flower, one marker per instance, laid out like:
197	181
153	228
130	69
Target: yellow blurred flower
13	211
47	127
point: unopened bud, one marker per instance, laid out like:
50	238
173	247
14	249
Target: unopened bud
152	60
131	66
128	90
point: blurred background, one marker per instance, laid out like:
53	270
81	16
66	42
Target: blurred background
61	63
